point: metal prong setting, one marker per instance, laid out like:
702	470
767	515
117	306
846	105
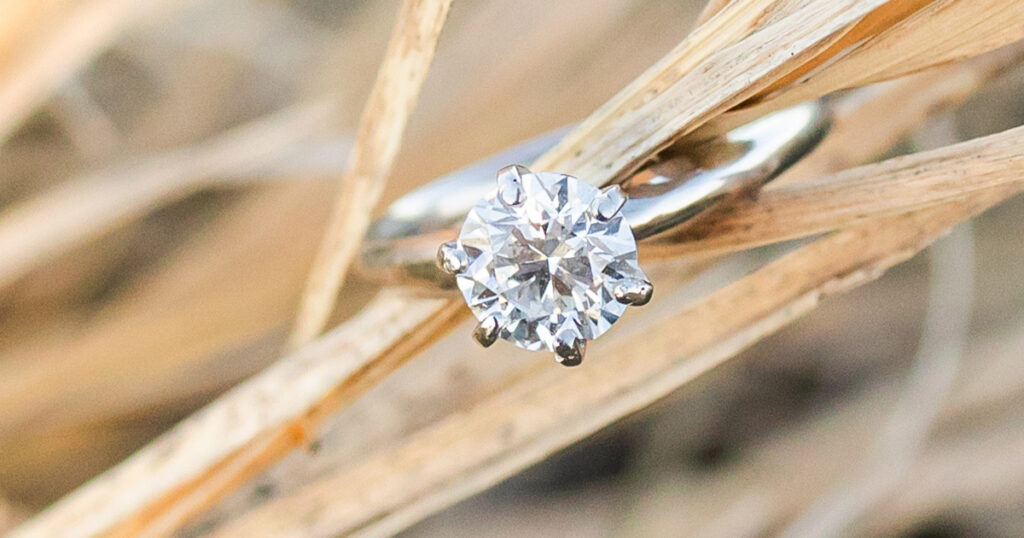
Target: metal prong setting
510	184
634	292
569	349
486	332
607	204
451	259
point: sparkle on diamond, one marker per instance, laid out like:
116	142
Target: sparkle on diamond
547	265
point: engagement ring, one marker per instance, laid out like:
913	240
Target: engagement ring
547	261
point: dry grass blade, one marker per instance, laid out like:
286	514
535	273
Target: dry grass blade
721	25
940	32
968	29
648	115
43	44
249	428
711	35
84	208
852	197
548	410
391	101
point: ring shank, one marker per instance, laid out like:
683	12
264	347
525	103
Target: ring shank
686	182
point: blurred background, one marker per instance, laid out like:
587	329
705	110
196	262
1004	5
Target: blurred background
195	161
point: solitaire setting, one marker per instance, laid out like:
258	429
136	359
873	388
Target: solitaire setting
546	262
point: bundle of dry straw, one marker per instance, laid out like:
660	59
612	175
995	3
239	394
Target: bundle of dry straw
161	342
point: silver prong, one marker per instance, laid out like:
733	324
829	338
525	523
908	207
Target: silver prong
510	184
486	332
451	259
607	204
634	292
569	349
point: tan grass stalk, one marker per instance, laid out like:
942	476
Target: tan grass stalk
648	115
852	197
942	31
381	127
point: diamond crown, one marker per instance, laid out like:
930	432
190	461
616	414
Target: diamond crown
547	261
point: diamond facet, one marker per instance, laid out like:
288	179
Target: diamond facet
549	265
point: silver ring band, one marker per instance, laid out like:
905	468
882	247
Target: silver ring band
684	183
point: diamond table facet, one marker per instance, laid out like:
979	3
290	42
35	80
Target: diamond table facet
546	264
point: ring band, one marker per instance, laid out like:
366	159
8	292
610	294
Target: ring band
684	183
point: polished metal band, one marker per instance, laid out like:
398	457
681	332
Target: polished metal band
683	183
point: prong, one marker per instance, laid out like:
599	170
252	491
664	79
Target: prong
486	332
607	204
510	184
634	292
451	259
569	349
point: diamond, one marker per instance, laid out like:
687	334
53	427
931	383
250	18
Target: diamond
549	269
